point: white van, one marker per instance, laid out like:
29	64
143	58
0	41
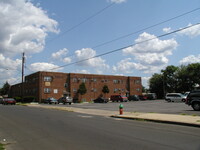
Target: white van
175	97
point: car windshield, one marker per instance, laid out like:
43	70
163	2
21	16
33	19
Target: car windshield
9	99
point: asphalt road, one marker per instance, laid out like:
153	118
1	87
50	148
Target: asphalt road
27	128
148	106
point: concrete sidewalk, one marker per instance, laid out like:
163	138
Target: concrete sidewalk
155	117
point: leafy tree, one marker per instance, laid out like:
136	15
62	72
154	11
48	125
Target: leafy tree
169	78
105	89
82	89
5	89
156	85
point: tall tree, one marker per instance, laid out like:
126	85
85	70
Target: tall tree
5	89
156	85
82	89
169	78
105	89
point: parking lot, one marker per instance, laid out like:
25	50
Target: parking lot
149	106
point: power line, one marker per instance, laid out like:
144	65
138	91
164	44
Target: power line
119	49
124	36
146	28
82	22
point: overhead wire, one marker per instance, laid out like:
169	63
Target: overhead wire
119	49
143	29
82	22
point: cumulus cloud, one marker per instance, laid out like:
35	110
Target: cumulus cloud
127	66
145	81
82	71
150	56
117	1
24	27
86	54
8	68
191	32
167	30
43	66
61	55
190	59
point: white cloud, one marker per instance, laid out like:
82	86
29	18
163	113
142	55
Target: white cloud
126	66
87	54
191	32
59	54
82	71
145	81
117	1
24	27
190	59
167	30
42	66
8	68
149	56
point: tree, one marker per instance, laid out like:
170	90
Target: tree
82	89
169	78
156	85
5	89
105	89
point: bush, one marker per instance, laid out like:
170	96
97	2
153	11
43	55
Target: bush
29	99
18	99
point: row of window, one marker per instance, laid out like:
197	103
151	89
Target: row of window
49	79
48	90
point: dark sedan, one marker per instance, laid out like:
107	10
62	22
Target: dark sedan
133	98
100	100
51	100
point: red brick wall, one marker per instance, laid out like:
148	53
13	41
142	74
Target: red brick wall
35	85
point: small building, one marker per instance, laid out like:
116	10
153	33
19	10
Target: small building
42	85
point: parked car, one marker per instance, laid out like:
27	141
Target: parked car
151	96
1	100
133	98
7	101
193	99
51	100
100	100
175	97
142	97
118	98
65	99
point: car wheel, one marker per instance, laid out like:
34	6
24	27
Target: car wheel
183	100
169	100
196	106
70	103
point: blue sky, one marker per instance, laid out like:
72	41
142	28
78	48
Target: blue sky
59	33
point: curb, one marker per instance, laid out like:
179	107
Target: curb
156	120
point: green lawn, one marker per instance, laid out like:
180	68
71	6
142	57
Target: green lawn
1	147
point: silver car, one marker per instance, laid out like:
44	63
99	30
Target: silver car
175	97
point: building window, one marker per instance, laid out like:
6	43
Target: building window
84	80
115	90
74	90
47	90
137	81
74	80
47	78
94	90
115	81
138	89
66	85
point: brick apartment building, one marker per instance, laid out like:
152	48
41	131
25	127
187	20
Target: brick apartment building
42	85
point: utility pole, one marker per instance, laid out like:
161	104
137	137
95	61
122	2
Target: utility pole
23	58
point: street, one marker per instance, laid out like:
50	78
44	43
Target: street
27	128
